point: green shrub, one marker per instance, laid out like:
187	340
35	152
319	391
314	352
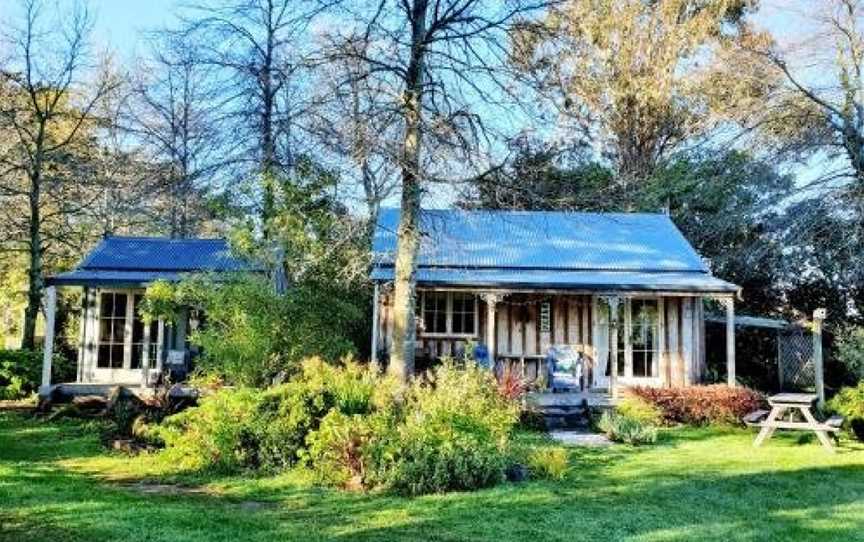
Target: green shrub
701	405
636	408
215	435
549	463
352	451
455	433
621	428
849	402
849	346
253	334
21	372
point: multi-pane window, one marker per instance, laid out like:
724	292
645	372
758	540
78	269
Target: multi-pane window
643	337
142	341
435	312
112	330
638	345
463	313
449	313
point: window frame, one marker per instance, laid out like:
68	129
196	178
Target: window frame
449	315
147	343
625	330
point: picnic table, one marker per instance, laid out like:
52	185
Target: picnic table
791	403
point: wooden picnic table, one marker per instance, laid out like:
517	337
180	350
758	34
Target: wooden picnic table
791	403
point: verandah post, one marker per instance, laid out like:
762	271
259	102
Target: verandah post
818	318
49	303
613	355
730	341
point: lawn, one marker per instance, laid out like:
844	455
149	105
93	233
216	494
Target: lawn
57	483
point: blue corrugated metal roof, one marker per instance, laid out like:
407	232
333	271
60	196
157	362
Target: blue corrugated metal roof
544	240
140	260
551	249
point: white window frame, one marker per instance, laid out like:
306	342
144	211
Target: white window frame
449	316
127	332
627	312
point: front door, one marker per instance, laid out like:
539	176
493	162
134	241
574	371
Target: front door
123	340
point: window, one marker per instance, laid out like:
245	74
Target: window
124	339
463	314
644	330
638	335
112	330
448	313
142	341
435	312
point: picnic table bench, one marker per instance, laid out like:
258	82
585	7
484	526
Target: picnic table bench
802	403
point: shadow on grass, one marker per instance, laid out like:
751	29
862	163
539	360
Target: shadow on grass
619	493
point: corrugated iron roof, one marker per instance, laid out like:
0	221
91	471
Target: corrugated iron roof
536	249
543	240
140	260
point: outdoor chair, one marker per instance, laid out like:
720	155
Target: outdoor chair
565	368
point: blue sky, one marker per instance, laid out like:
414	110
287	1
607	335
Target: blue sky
119	23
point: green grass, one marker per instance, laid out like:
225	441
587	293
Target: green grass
57	483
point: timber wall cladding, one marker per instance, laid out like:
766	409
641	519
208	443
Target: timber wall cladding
518	331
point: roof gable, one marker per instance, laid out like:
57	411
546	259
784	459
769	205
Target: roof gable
543	241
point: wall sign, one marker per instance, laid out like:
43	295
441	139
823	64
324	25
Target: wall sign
545	317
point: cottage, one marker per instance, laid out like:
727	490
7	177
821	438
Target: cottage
116	346
625	290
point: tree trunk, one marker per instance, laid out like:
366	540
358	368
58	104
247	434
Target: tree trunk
268	145
35	280
408	235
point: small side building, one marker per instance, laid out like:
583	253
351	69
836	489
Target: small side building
116	347
625	290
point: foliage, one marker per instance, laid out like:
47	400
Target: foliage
850	350
512	386
699	405
455	433
591	56
214	435
161	301
549	463
636	408
849	402
622	428
21	372
251	333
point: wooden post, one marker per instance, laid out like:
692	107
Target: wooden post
50	306
145	357
818	318
613	336
375	300
82	333
160	342
730	341
491	301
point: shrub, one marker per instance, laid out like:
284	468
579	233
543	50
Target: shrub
621	428
253	334
849	402
215	435
701	405
636	408
549	463
21	372
849	345
455	433
351	451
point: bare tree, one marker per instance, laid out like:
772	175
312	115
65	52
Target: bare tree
48	105
356	120
169	113
259	47
442	60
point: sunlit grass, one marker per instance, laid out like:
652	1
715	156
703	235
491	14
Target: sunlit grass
58	483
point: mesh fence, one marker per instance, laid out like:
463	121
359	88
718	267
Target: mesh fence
795	358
